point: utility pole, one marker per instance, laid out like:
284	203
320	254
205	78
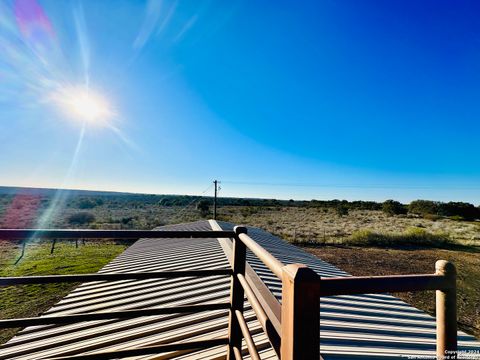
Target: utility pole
215	201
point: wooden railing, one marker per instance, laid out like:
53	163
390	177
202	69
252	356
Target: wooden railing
298	337
443	281
294	333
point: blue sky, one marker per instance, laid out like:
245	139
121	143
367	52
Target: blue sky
323	99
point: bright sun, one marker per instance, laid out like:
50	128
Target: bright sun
84	104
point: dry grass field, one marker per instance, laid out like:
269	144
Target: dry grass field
299	224
357	242
325	226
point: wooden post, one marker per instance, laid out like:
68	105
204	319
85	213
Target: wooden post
236	293
300	313
446	310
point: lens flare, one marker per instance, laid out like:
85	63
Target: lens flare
83	104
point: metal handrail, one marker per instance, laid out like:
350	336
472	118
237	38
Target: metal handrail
17	234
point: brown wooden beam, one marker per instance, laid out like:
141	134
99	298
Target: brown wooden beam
381	284
446	312
236	293
252	350
268	259
262	317
300	314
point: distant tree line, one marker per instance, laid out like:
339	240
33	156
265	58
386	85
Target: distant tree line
433	209
85	200
456	210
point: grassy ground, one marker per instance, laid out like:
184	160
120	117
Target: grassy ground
296	224
32	300
363	261
300	225
322	225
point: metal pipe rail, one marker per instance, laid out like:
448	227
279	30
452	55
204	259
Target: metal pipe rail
19	234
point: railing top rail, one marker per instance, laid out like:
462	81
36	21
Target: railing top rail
268	259
381	284
15	234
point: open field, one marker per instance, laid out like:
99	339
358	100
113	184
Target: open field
323	225
295	223
32	300
365	261
345	240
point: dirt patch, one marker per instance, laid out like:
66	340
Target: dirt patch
363	261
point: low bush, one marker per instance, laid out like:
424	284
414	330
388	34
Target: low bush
81	218
423	207
204	207
432	217
392	207
342	210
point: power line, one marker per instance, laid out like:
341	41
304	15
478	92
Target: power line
197	198
351	186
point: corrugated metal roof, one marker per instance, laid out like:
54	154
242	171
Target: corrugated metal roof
363	326
371	326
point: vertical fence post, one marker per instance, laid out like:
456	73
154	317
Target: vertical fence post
300	314
446	311
236	293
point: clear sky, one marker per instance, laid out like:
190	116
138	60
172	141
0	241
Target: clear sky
323	99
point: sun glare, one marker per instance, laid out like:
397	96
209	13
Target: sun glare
85	105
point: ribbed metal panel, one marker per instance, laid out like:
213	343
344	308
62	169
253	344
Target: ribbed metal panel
371	326
362	326
43	342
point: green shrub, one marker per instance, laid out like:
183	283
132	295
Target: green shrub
432	217
464	210
342	210
460	209
204	207
392	207
422	207
456	218
89	203
81	218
